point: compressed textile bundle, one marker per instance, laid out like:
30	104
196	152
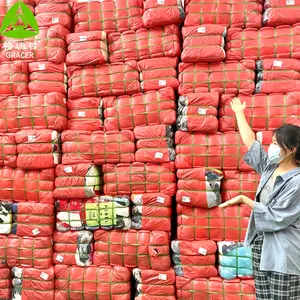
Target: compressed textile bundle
199	187
5	283
263	112
198	112
203	44
13	79
73	248
219	150
39	111
6	5
109	16
150	108
85	114
277	76
194	259
21	185
77	181
154	285
38	149
216	224
235	14
237	183
144	44
267	42
5	221
8	150
29	252
235	260
151	211
126	179
93	282
48	45
222	77
32	219
105	80
157	73
132	249
87	48
32	283
214	288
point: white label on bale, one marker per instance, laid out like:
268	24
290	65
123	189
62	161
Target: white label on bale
68	169
35	231
186	199
59	258
158	155
160	199
202	111
44	276
290	2
55	20
82	38
202	251
277	63
160	2
162	276
81	114
42	67
202	29
31	138
162	82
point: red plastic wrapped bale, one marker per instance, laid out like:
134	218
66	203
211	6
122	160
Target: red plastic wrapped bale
38	2
214	288
32	283
5	5
85	114
21	185
105	80
132	249
195	259
13	79
29	252
92	283
267	42
49	14
199	187
222	77
219	150
77	181
113	147
47	77
151	211
144	44
157	73
5	283
237	183
263	112
33	219
203	44
87	48
265	137
127	179
8	150
108	16
217	224
73	248
158	155
235	14
48	45
198	112
39	111
38	149
154	285
150	108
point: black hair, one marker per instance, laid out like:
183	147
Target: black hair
288	137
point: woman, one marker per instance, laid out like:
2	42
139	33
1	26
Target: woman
274	225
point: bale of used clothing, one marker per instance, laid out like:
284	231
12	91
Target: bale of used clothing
5	283
5	5
92	282
235	260
8	150
73	248
5	220
132	249
151	211
217	224
38	111
195	259
150	108
198	112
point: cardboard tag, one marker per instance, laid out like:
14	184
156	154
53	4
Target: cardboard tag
68	169
35	231
44	276
186	199
202	251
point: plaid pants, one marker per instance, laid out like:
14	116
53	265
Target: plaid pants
273	285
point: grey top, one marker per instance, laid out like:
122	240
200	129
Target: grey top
266	191
279	219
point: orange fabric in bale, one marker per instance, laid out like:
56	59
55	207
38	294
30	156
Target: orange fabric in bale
92	283
8	150
263	112
217	224
21	185
106	15
105	80
132	249
144	44
223	77
126	179
39	111
5	283
150	108
214	288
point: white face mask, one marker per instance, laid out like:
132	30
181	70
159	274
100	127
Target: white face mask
274	154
